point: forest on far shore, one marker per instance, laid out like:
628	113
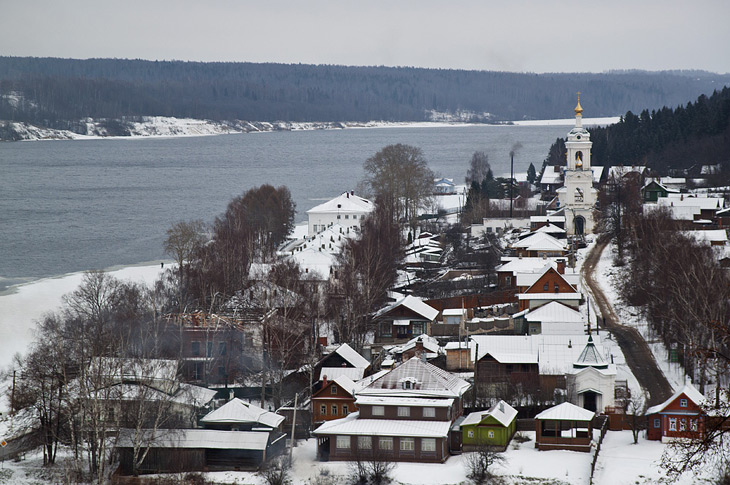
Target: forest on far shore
57	93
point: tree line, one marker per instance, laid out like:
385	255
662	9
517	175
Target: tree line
665	139
60	92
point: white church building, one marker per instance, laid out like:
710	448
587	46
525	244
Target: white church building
577	198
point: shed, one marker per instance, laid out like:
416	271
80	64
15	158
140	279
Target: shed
564	427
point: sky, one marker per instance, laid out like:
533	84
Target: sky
504	35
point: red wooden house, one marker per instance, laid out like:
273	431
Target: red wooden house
334	400
550	286
680	416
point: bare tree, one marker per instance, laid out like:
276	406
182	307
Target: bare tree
184	240
398	175
635	412
479	464
478	168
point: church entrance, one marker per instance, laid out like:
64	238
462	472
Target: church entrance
589	401
579	224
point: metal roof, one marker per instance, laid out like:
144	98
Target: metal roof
196	438
566	412
237	411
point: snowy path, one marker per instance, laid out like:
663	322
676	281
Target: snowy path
635	349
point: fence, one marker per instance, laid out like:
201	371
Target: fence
604	428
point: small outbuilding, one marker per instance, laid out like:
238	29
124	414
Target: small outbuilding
494	427
564	427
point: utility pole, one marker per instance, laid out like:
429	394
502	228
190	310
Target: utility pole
511	179
293	427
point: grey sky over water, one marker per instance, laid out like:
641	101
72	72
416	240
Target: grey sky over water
508	35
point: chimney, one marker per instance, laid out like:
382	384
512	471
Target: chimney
352	192
561	266
231	395
324	381
348	194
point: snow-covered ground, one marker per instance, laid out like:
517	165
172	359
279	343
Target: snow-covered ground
23	305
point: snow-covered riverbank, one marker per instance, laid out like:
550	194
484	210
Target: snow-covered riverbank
160	126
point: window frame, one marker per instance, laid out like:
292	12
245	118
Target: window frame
385	439
425	448
672	424
323	410
334	410
361	440
407	445
404	412
429	412
341	439
378	410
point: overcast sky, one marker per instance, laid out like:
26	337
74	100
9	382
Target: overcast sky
506	35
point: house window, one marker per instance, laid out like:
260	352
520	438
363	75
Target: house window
221	370
362	217
195	348
657	423
556	288
334	410
683	403
378	411
198	371
386	329
333	389
429	412
385	443
343	442
407	444
693	424
365	442
323	410
417	328
339	217
683	424
221	348
672	424
428	445
470	433
404	411
347	216
508	280
490	434
489	229
209	349
345	410
545	287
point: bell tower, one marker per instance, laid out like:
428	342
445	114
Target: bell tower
578	197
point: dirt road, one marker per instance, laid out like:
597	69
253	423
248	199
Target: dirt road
637	353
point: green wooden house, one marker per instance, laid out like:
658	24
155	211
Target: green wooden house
652	191
494	427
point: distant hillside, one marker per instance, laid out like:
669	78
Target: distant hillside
667	140
58	93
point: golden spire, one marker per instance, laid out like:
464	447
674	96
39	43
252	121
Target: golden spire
578	108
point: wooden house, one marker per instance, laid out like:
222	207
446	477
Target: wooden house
238	415
404	319
680	416
540	244
494	427
334	400
547	287
564	427
404	415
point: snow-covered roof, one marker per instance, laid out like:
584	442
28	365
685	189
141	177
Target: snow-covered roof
502	412
237	411
688	390
618	171
332	373
196	438
314	261
367	380
403	401
351	356
551	228
347	384
554	312
514	357
702	202
526	265
566	412
591	357
426	381
552	176
597	173
429	343
414	304
555	353
346	202
351	425
540	242
454	312
529	278
707	236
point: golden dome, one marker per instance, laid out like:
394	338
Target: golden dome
578	108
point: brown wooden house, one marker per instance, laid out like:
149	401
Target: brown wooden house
564	427
404	319
334	400
680	416
550	286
